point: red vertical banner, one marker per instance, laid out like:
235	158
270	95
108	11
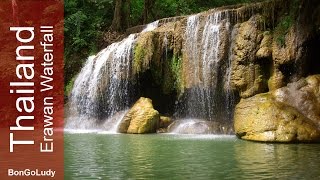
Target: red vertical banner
31	81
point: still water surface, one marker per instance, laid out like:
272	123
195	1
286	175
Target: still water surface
169	156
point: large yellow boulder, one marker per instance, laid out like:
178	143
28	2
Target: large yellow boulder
288	114
141	118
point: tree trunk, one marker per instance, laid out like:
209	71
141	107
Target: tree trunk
117	16
121	15
127	12
147	9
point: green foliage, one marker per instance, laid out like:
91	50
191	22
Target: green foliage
139	56
285	23
176	68
168	8
68	87
172	80
136	12
282	29
144	52
84	24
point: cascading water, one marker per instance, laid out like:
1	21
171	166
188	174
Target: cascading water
151	26
104	82
102	90
118	89
204	71
194	101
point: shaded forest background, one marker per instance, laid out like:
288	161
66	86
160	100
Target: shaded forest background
91	24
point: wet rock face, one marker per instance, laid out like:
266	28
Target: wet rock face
141	118
265	50
247	73
289	114
303	95
284	57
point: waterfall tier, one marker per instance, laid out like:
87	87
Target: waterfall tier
193	67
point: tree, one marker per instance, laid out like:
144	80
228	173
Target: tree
147	10
121	15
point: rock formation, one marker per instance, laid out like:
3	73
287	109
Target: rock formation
288	114
141	118
200	66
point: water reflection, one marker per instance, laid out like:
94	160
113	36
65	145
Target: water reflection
120	156
277	161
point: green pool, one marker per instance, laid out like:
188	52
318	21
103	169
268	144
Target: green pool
170	156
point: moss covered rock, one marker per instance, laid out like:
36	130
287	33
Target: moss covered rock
141	118
289	114
157	52
144	51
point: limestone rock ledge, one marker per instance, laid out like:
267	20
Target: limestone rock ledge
288	114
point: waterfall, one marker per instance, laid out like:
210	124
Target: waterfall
151	26
187	71
203	50
102	89
104	82
118	91
194	101
105	76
